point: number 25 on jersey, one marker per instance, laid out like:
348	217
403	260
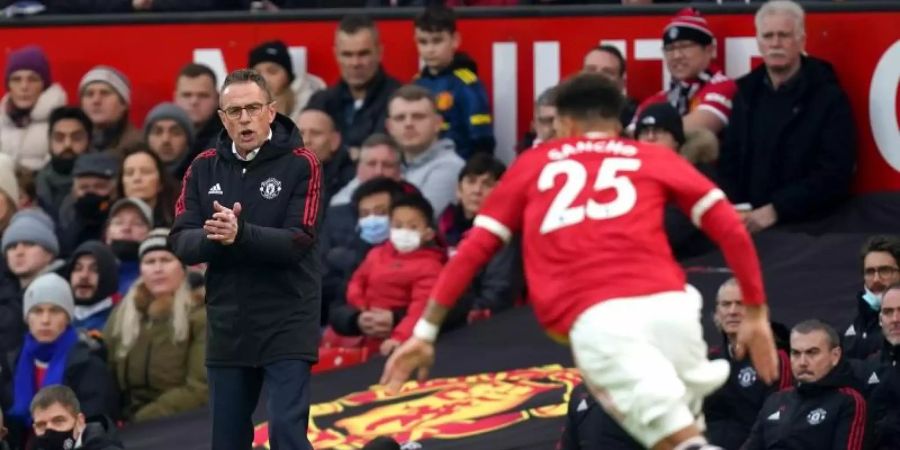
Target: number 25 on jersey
562	213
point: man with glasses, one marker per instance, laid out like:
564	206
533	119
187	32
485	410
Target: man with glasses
879	257
250	209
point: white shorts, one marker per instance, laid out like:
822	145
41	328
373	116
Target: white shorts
645	360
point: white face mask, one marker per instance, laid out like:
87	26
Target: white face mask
405	240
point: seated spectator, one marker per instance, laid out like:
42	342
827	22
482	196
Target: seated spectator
885	400
93	275
432	164
389	290
452	78
60	424
106	97
880	258
825	410
290	92
130	221
170	134
196	93
542	123
143	175
787	166
85	210
157	338
607	60
52	354
589	427
31	96
27	188
358	103
9	191
70	137
320	135
378	157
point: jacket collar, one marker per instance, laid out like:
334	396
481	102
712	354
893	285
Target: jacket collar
437	148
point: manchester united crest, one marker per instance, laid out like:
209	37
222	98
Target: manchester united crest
270	188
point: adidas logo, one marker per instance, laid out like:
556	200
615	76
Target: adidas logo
874	379
215	190
775	416
582	406
850	331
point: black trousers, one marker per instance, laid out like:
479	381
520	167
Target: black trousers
234	393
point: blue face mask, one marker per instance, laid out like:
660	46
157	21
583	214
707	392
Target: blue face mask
374	229
873	299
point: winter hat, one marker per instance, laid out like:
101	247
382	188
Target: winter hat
173	112
29	58
688	25
36	214
663	116
96	164
26	226
157	239
136	203
273	51
49	288
105	74
8	183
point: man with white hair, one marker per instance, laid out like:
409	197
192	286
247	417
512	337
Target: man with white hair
789	151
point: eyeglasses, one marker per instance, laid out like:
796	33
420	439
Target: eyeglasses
883	271
235	112
680	47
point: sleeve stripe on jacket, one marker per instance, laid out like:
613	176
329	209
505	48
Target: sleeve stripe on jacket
857	425
311	207
179	204
787	378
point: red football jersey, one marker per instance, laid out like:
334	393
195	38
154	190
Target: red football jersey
712	92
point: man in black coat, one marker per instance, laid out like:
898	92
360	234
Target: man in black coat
880	264
250	209
59	423
885	377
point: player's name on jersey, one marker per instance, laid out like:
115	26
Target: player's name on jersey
612	146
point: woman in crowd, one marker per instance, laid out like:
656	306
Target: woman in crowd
143	175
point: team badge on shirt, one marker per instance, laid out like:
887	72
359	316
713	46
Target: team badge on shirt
747	376
270	188
816	416
444	101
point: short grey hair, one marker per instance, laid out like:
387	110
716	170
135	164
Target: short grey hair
813	325
731	282
774	7
547	98
379	139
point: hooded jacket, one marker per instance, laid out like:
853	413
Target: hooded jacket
885	401
100	434
91	313
263	291
29	146
435	172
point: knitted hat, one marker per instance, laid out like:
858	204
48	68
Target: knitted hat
173	112
143	208
49	288
26	226
8	183
688	25
273	51
157	239
105	74
663	116
29	58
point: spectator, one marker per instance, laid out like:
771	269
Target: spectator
169	133
157	337
85	210
53	354
731	410
105	98
825	410
130	221
93	275
378	157
880	258
59	423
3	433
27	189
699	90
196	92
589	427
787	165
542	123
291	92
9	191
388	291
358	103
885	400
70	137
320	135
432	164
607	60
143	175
452	78
24	110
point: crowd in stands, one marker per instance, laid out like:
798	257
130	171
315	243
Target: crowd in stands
93	298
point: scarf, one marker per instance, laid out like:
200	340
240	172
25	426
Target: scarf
680	93
55	354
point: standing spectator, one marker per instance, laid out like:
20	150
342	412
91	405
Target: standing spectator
699	90
59	423
542	122
264	278
378	157
170	134
432	164
157	337
105	97
196	92
94	279
358	103
452	78
130	221
9	191
85	210
291	92
143	175
607	60
24	110
70	137
790	150
320	135
885	400
880	260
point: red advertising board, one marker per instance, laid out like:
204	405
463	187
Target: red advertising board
517	56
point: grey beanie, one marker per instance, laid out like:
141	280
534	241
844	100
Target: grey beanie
27	226
49	288
173	112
